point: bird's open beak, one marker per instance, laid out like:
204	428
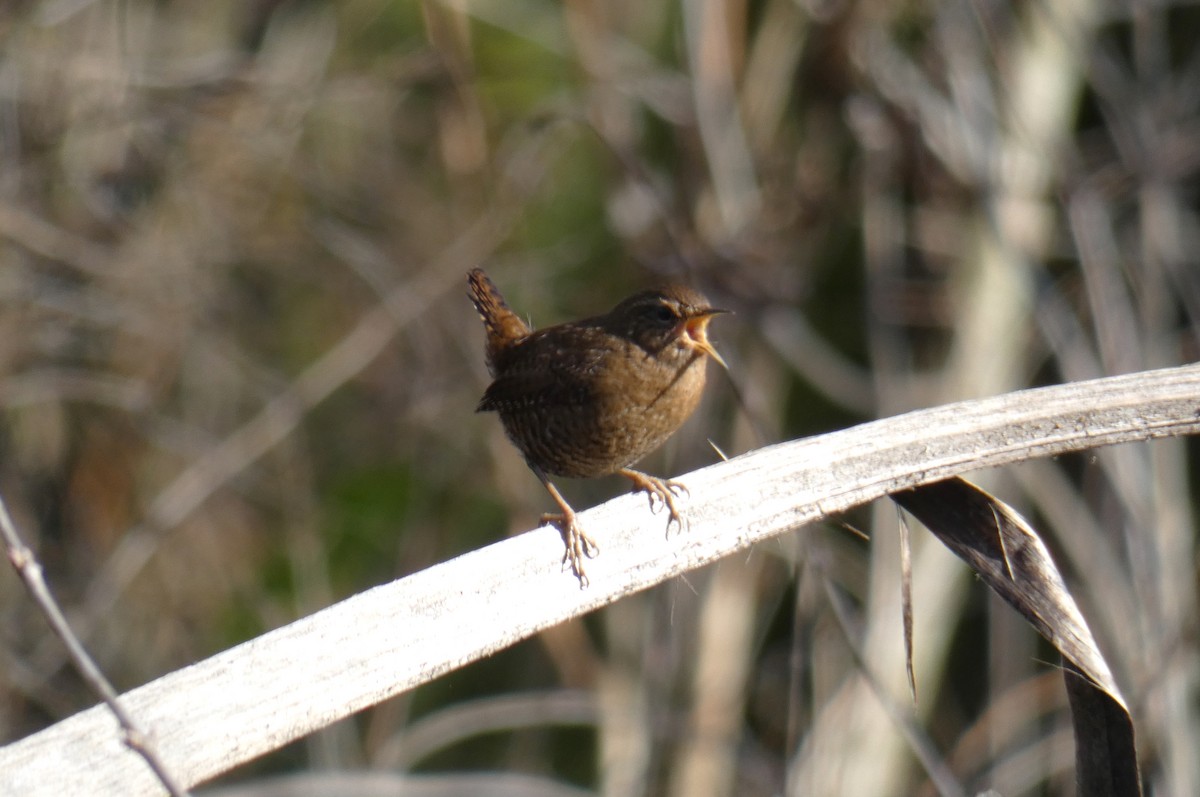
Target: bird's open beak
695	328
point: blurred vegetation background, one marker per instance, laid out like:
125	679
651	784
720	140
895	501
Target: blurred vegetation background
238	369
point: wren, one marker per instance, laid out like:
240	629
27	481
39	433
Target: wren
590	398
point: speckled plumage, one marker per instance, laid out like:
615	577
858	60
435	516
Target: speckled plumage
590	398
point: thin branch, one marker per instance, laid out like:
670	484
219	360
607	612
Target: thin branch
285	684
30	570
906	603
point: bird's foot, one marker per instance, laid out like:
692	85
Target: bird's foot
665	490
579	545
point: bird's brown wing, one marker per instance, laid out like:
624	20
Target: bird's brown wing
554	367
517	392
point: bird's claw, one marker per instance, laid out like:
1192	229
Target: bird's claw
579	545
662	493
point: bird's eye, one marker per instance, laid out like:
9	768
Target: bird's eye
664	314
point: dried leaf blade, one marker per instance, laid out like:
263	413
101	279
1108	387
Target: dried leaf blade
1010	557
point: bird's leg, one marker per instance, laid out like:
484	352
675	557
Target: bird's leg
579	545
665	490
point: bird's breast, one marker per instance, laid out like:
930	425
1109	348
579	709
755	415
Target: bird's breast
586	411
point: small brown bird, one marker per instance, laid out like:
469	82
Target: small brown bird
590	398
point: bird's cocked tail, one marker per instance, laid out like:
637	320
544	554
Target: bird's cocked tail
504	328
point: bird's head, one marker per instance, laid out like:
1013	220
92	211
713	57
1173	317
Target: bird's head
670	321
